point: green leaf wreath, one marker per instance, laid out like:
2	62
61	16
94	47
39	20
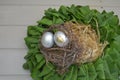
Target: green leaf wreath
107	67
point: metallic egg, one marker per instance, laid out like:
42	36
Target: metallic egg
60	39
47	39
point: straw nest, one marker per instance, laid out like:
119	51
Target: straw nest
84	46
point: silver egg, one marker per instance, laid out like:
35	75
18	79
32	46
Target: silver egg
47	40
60	39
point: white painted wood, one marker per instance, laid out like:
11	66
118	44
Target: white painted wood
11	62
12	36
27	15
16	77
20	15
61	2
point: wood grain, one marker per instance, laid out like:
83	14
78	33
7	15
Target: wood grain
15	77
11	62
28	15
12	36
61	2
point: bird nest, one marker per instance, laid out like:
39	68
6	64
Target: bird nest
86	39
83	46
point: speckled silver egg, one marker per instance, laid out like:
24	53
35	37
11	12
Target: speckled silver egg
60	39
47	39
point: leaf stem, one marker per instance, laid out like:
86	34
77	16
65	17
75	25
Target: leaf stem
98	32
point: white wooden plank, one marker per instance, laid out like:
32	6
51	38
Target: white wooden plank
61	2
12	36
20	15
11	62
27	15
16	77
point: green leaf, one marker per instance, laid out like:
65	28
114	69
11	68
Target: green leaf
100	69
46	69
115	55
39	57
85	10
81	72
88	18
33	46
86	70
113	20
75	72
50	75
64	14
33	60
35	73
28	56
30	65
40	29
69	73
116	45
40	64
59	21
117	38
108	75
31	53
31	40
63	10
31	31
91	71
114	71
51	13
25	66
56	76
45	21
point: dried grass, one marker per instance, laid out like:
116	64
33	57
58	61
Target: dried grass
84	46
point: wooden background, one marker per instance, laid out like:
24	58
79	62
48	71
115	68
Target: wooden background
16	15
